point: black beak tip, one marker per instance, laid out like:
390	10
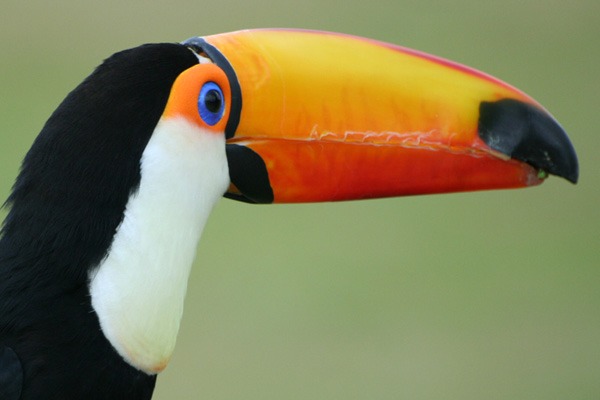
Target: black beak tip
529	134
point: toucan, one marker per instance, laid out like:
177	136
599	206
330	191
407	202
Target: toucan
111	199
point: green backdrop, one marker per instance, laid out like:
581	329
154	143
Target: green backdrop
492	295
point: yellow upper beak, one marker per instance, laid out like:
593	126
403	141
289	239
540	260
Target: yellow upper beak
320	116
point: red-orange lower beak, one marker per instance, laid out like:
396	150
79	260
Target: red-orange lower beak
331	171
324	117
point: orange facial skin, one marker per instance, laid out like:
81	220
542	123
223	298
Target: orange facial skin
183	100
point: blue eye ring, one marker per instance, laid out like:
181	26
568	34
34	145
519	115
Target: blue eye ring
211	103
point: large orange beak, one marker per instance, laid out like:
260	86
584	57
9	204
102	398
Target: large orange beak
321	116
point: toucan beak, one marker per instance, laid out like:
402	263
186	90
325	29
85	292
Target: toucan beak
323	117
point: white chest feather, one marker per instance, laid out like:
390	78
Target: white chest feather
138	290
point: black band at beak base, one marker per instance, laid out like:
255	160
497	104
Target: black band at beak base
249	174
199	45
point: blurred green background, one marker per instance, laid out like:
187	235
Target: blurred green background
492	295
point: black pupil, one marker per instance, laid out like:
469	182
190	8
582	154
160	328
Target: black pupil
212	101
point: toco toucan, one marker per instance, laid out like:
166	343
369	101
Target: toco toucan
113	195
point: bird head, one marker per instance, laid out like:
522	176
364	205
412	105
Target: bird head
313	116
117	187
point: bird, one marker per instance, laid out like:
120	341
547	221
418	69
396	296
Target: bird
113	195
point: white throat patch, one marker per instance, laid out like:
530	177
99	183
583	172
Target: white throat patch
138	290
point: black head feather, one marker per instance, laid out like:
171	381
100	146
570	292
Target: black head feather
76	178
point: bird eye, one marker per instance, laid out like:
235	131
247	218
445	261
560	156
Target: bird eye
210	103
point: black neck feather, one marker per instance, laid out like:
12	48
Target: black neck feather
66	205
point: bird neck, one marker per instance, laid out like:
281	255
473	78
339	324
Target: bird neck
138	289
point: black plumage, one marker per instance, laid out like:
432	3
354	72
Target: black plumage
65	207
